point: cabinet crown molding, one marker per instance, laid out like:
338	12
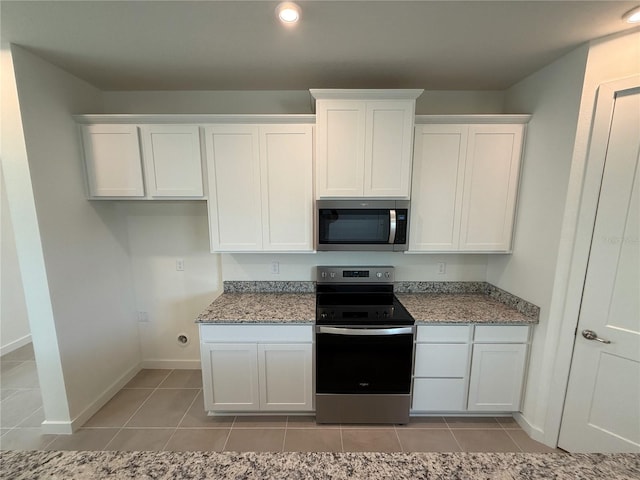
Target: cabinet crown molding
473	119
365	94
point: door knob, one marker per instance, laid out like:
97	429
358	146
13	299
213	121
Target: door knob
591	335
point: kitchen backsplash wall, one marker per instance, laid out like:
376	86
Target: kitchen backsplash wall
301	267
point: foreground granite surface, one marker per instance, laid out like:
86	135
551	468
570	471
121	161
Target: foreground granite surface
34	465
261	308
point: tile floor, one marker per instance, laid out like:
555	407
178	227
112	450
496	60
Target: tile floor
163	410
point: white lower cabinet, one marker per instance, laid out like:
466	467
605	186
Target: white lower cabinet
441	368
259	374
497	372
498	366
466	368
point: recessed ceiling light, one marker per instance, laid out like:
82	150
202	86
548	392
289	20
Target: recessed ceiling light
288	12
632	16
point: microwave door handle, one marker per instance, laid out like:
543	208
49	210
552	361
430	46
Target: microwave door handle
392	226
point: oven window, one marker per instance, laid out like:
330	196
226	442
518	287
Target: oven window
349	364
353	226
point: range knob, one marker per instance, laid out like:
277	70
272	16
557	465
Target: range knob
333	274
323	274
379	274
323	315
387	274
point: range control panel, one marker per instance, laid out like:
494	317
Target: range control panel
383	274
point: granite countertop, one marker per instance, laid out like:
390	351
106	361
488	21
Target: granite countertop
461	308
428	302
315	466
261	307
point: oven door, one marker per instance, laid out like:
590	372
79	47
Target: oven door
364	360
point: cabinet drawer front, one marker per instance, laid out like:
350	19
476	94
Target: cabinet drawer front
501	333
441	360
443	333
256	333
439	394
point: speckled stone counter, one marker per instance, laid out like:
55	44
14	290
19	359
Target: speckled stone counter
372	466
431	308
261	308
428	302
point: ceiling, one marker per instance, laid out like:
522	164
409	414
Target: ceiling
239	45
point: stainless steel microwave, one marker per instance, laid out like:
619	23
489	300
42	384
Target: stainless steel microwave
362	225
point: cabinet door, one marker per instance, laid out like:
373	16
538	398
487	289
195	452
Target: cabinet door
490	187
230	376
286	166
233	170
285	377
173	165
497	373
340	148
113	163
436	191
388	147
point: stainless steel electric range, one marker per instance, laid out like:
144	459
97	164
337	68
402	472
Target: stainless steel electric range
364	347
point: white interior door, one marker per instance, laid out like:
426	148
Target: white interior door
602	406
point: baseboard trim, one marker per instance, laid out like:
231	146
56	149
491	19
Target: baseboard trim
16	344
172	364
57	428
534	432
102	399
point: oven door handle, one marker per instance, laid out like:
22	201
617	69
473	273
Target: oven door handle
377	332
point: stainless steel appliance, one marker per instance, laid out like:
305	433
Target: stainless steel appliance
362	225
364	347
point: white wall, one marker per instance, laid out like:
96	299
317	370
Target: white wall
159	234
211	101
84	244
246	266
19	190
14	322
611	58
552	96
284	101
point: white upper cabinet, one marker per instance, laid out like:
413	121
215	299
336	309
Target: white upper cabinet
286	167
142	161
364	142
113	162
261	187
233	167
464	187
172	160
490	187
436	195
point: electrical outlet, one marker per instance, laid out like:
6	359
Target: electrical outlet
143	317
442	268
180	265
275	268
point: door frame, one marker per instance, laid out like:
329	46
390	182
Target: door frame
580	216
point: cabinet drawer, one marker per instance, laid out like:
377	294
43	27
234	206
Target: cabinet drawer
501	333
443	333
439	394
441	360
256	333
